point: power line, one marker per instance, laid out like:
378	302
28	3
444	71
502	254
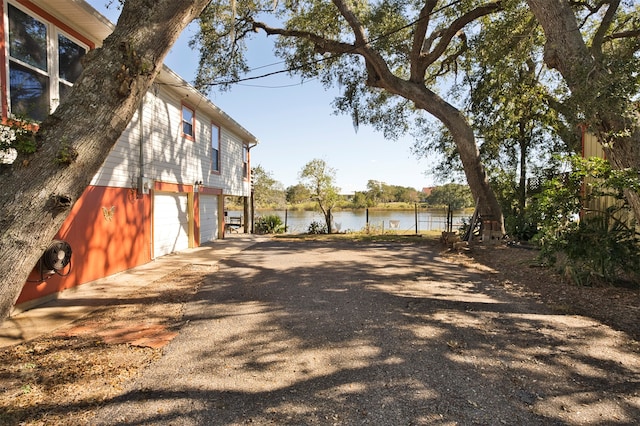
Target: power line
326	58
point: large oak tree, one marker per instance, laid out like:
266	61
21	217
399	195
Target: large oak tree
595	46
40	188
386	55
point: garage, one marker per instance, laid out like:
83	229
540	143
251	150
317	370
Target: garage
170	223
208	218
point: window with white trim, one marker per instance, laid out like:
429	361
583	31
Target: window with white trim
188	122
245	161
215	148
43	64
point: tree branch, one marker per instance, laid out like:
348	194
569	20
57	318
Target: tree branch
353	21
450	61
419	38
375	63
321	44
447	35
624	34
607	21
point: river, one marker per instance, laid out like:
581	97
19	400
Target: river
402	221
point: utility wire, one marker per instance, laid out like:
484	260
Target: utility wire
326	58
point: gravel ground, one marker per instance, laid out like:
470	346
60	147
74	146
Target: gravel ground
347	333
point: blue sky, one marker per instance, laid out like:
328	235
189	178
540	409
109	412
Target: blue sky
295	123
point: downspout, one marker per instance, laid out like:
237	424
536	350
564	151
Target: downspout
250	189
141	180
141	137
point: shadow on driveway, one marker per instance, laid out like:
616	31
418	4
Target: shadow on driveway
308	332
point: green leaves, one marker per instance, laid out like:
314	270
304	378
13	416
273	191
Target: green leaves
319	179
270	224
452	194
268	192
17	135
592	237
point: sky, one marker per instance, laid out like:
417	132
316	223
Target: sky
295	123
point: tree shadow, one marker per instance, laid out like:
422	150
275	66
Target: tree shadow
292	332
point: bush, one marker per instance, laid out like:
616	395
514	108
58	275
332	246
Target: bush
270	224
599	249
317	228
601	246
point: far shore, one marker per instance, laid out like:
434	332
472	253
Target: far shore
381	206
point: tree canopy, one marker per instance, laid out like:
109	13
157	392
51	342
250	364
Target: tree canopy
595	48
268	192
386	56
452	195
392	58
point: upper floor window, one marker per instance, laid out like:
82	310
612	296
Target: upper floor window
43	65
188	122
215	148
245	161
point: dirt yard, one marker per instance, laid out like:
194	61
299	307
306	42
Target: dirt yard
64	377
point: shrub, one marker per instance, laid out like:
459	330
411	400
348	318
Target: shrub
317	228
599	249
270	224
603	246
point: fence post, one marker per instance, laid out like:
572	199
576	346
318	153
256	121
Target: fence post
366	211
416	216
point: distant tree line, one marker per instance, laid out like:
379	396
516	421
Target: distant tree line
317	182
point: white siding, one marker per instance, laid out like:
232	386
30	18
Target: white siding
170	223
169	157
208	218
231	177
121	168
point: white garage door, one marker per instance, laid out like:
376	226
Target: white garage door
170	223
208	218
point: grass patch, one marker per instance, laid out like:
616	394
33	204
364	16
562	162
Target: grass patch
427	237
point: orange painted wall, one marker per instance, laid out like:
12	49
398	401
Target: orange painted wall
109	231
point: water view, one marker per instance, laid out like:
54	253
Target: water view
402	221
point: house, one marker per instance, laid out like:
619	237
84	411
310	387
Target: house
162	187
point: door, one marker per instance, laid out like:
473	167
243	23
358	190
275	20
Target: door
170	223
208	218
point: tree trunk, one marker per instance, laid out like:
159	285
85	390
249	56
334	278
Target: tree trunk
328	221
38	191
522	185
566	51
379	75
462	133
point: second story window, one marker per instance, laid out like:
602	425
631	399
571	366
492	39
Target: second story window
245	161
43	65
215	148
188	122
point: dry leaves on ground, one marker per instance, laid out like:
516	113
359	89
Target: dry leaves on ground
61	378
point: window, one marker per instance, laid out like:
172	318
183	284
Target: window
188	122
38	81
215	148
245	161
69	65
